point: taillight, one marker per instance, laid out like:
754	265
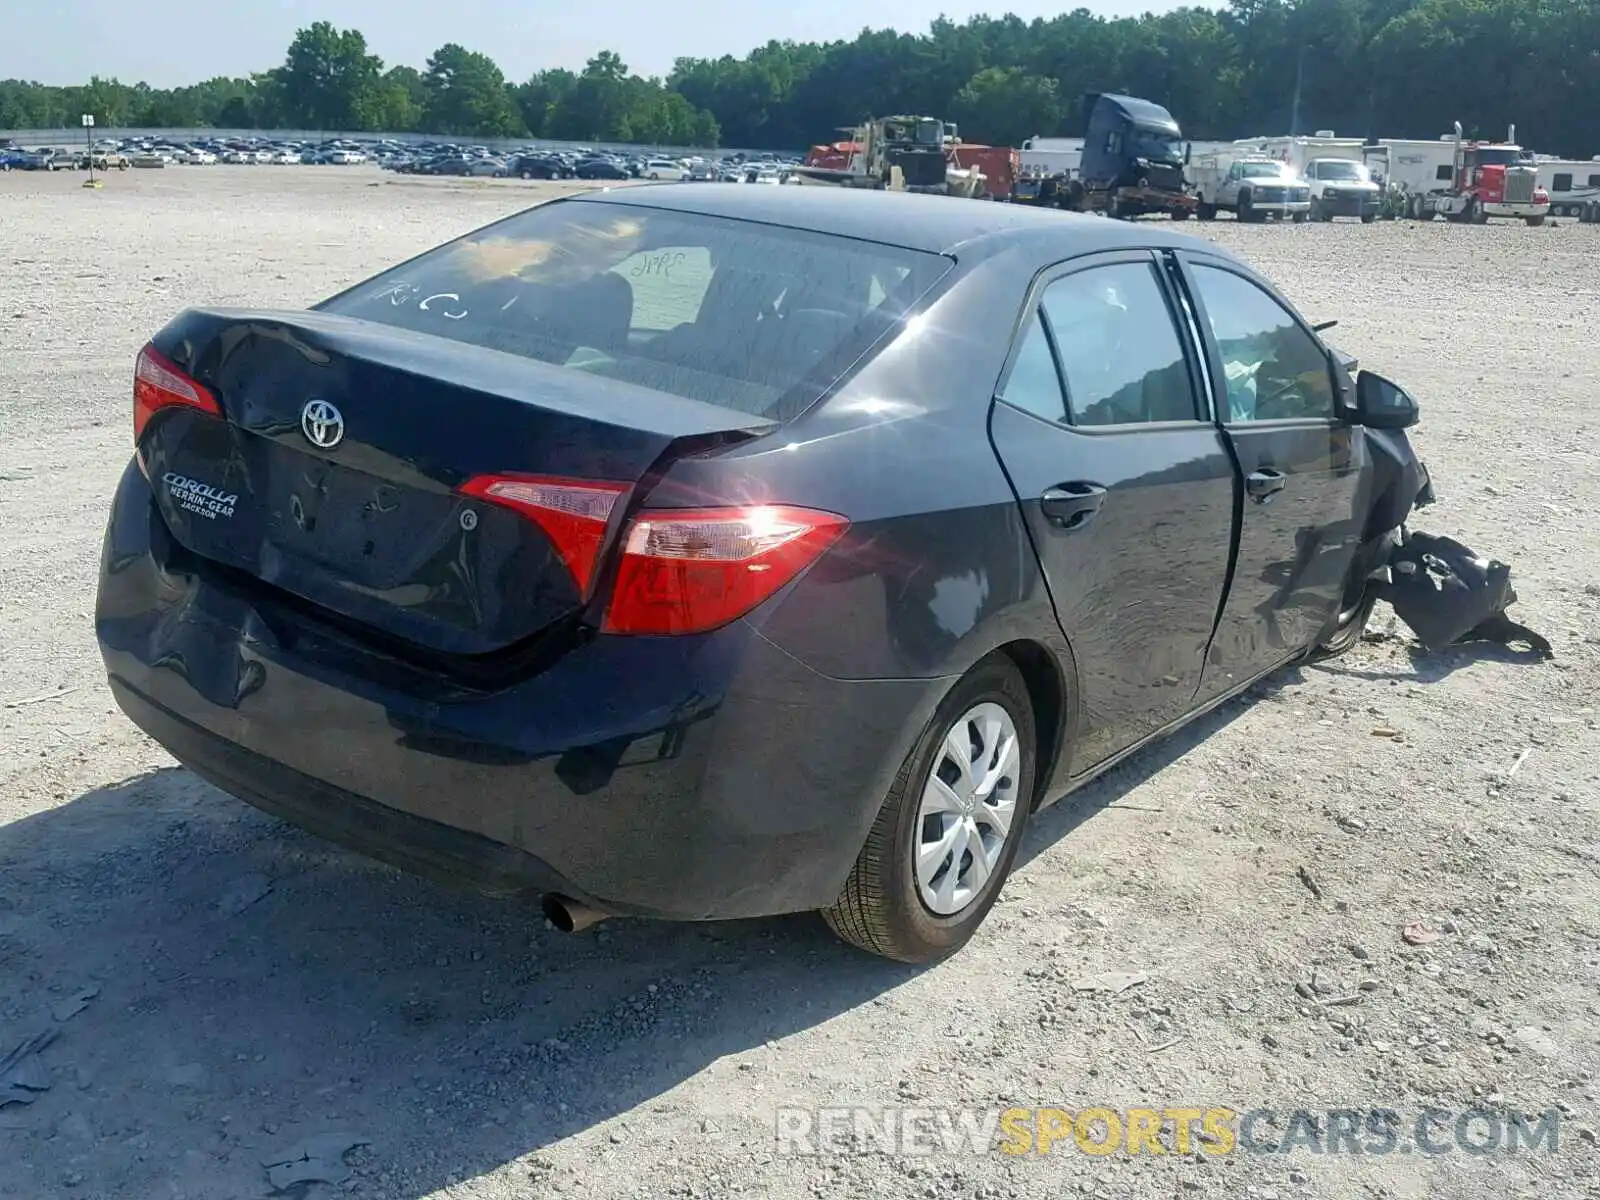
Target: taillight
158	384
572	512
692	570
681	570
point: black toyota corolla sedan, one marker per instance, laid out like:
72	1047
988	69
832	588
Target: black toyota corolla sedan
708	553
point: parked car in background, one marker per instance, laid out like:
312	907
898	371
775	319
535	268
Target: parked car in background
540	166
103	160
1252	188
600	168
664	169
1341	187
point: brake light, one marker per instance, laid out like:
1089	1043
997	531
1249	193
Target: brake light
572	512
158	384
692	570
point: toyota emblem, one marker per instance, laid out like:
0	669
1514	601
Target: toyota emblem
322	424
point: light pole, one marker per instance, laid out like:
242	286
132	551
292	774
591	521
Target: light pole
88	147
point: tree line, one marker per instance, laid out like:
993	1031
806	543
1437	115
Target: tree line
1400	68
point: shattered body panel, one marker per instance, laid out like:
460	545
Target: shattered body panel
1448	593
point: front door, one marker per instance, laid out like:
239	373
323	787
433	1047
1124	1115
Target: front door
1127	488
1277	387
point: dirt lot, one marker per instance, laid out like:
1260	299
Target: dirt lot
240	986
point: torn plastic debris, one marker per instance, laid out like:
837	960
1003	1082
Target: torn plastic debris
1448	593
317	1159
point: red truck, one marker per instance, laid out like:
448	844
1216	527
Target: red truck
1491	179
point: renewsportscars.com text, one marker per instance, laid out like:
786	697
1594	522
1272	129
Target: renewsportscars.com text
1100	1131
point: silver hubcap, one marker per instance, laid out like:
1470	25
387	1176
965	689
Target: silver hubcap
968	803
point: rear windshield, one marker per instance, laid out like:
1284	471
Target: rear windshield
748	316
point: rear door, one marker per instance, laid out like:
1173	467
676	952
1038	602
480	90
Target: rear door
1126	485
1278	393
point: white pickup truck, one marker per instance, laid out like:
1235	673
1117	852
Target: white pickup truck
1253	188
1342	188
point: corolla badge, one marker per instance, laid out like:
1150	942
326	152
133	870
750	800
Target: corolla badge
322	423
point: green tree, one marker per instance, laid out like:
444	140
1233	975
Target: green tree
1403	68
396	105
542	100
328	80
467	95
1005	105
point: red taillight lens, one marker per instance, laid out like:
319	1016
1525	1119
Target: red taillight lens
572	512
692	570
158	384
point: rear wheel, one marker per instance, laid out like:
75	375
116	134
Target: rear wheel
1206	212
947	833
1534	220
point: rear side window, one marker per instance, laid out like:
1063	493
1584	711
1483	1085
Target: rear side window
748	316
1563	182
1034	384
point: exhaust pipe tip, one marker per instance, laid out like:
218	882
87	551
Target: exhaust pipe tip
567	915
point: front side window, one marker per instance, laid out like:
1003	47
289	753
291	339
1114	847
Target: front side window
1118	348
1273	368
748	316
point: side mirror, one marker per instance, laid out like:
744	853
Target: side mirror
1381	404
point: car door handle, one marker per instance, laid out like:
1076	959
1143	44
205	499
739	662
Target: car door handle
1264	484
1071	506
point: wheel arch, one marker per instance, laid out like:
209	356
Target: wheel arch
1054	697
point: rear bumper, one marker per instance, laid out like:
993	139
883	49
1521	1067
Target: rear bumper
692	778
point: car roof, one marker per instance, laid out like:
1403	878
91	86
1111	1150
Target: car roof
935	224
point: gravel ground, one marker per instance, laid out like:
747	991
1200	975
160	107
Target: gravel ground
223	986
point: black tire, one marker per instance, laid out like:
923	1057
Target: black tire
1206	212
1241	208
1534	221
1368	218
1355	609
880	910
